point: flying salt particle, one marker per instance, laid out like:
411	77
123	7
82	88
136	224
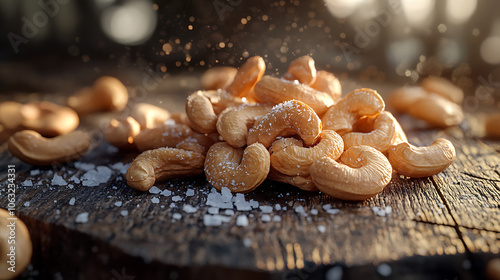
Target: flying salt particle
124	213
155	200
27	183
82	218
266	218
177	216
190	192
58	181
176	198
242	221
72	201
118	203
189	209
154	190
384	270
266	209
321	228
334	273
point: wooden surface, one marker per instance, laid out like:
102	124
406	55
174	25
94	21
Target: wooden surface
443	227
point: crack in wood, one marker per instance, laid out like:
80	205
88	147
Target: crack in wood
479	177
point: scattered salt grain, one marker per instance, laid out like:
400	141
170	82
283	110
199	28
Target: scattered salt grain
212	220
334	273
384	270
254	204
124	213
74	179
441	205
277	207
314	211
332	211
166	193
215	199
84	166
189	209
58	181
388	210
213	210
226	194
26	204
266	209
70	186
35	172
189	192
247	242
321	228
300	210
155	200
172	205
242	221
229	212
154	190
72	201
177	216
326	207
27	183
266	218
82	218
118	203
277	219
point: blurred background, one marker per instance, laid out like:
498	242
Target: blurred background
50	44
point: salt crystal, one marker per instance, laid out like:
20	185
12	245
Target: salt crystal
242	221
332	211
254	204
243	206
84	166
213	210
94	178
74	179
212	220
166	193
384	270
327	206
35	172
334	273
58	181
155	200
177	216
314	211
27	203
189	192
229	212
215	199
189	209
226	194
117	166
124	213
27	183
266	218
70	186
277	207
124	169
321	228
247	242
441	205
72	201
300	210
172	205
176	198
154	190
388	209
277	219
266	209
118	203
82	218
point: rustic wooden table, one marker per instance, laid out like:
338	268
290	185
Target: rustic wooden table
443	227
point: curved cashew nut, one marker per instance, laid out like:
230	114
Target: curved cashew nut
363	172
49	119
241	170
286	119
149	116
402	98
219	77
302	69
443	87
234	122
417	162
31	147
23	249
121	134
380	138
274	90
167	135
436	111
491	127
301	182
246	78
327	82
295	160
343	114
107	94
163	163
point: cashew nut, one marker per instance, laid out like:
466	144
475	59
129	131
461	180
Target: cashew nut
363	172
274	90
11	116
167	135
234	122
107	94
301	182
286	119
327	82
403	98
219	77
31	147
492	125
417	162
302	69
121	134
343	114
23	246
436	111
149	116
240	170
163	163
295	160
443	87
246	78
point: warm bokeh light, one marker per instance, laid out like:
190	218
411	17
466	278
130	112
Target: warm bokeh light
459	11
490	50
342	8
418	12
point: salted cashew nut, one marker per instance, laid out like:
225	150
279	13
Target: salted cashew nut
343	115
163	163
443	87
295	160
23	246
107	94
121	134
380	138
362	172
31	147
246	78
234	122
286	119
148	115
327	82
167	135
417	162
302	69
240	170
492	125
301	182
436	111
219	77
401	99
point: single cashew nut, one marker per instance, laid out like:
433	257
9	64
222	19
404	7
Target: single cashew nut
274	90
240	170
49	119
436	111
295	160
121	134
246	78
10	115
286	119
492	125
107	94
301	182
302	69
234	122
380	138
403	98
12	226
327	82
363	172
31	147
149	116
167	135
163	163
443	87
343	115
417	162
219	77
